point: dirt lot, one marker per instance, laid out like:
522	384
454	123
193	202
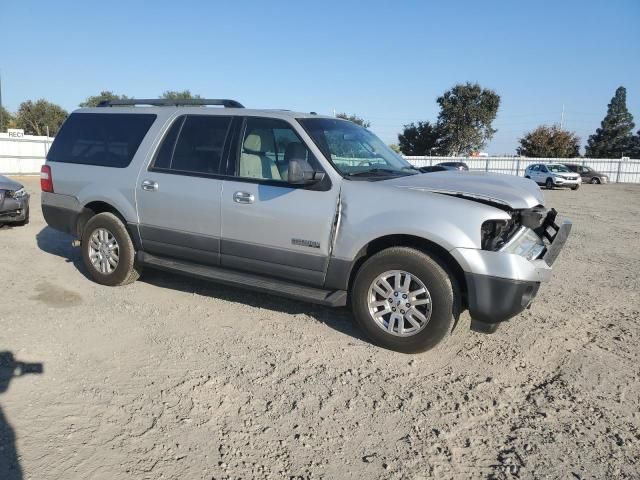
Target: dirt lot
174	378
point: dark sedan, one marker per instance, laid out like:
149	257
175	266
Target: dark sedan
588	174
453	166
14	202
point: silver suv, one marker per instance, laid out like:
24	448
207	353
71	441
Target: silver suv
301	205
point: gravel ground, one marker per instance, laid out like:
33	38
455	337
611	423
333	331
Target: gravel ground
174	378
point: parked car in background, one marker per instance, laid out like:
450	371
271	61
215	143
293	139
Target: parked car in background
14	202
553	175
434	168
268	200
588	174
453	165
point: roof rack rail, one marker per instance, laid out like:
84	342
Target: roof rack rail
168	102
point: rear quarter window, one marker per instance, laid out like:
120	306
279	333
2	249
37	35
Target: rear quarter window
101	139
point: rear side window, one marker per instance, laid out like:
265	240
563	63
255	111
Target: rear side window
101	139
194	144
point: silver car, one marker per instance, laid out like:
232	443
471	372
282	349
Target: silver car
300	205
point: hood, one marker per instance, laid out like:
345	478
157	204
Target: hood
508	190
8	184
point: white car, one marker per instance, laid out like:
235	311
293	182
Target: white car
553	175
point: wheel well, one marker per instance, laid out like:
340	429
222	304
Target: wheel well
94	208
439	253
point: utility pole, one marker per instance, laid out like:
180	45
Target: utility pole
562	118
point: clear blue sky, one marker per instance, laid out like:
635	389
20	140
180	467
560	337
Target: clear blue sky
385	61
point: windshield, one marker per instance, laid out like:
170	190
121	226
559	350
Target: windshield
353	150
558	169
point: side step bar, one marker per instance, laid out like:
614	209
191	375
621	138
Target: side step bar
331	298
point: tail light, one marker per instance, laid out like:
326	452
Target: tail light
46	180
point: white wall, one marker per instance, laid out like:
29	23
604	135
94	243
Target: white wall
23	155
26	155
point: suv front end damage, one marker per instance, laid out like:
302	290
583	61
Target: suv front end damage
503	278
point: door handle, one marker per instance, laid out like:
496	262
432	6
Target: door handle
150	185
243	197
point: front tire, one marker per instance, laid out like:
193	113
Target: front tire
108	252
404	300
549	184
595	180
575	187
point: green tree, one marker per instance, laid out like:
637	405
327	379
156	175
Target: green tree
422	138
549	142
355	119
176	95
614	138
35	117
635	151
6	119
395	147
94	100
466	116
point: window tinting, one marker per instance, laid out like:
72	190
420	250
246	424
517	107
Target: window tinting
102	139
201	143
163	157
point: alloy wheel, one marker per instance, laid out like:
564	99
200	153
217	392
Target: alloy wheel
399	303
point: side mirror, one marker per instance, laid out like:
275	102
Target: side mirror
302	173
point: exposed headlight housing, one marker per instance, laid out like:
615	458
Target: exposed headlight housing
21	192
526	243
494	234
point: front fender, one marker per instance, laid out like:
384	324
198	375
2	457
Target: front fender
370	211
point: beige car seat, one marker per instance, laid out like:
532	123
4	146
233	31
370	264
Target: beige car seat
254	163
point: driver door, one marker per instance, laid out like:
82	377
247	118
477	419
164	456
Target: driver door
270	227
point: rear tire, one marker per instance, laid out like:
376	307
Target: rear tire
549	184
595	180
406	332
108	252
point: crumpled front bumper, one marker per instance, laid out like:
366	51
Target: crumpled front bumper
13	209
500	285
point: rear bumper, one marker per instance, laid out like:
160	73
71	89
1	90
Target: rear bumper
61	212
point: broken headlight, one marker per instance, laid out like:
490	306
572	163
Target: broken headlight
495	233
21	192
526	243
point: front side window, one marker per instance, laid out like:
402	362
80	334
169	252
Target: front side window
267	146
100	139
355	151
558	169
194	144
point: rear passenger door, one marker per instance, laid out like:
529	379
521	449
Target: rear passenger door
178	196
269	226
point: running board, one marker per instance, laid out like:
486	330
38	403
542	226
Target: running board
331	298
